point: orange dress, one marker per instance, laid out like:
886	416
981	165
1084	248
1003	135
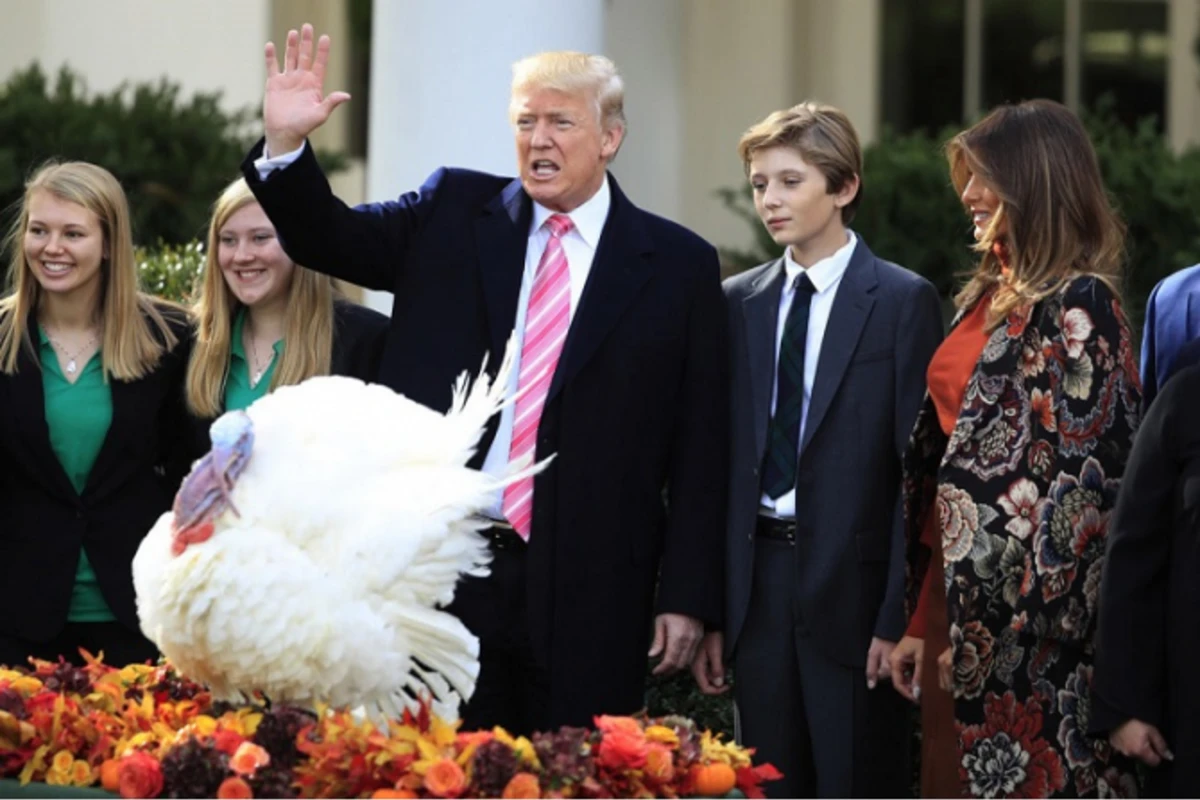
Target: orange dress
948	375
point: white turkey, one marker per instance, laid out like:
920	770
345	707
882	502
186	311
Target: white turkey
309	553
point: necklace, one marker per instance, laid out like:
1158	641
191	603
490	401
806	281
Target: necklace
72	358
256	372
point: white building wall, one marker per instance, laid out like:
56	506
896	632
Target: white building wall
215	45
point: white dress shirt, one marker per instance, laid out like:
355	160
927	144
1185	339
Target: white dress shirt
826	276
580	247
267	163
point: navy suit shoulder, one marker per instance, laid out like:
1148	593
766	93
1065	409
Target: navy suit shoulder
467	186
741	284
671	235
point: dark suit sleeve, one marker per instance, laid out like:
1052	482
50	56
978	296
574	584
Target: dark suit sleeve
365	245
1149	340
692	574
1131	641
919	335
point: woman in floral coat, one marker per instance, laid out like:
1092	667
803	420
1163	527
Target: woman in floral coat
1013	469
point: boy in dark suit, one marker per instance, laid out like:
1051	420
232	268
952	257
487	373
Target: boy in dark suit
830	346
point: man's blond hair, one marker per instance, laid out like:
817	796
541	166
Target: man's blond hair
823	136
574	73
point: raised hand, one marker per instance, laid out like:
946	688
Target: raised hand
295	103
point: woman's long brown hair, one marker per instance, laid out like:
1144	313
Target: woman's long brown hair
1055	221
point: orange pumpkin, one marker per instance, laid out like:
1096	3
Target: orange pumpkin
713	780
110	775
381	793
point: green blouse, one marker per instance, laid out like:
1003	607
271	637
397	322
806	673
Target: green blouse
238	391
78	416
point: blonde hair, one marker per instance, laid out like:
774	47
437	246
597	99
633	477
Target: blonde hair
1057	220
574	73
135	334
823	136
307	321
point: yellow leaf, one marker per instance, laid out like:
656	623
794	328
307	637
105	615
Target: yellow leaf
26	685
662	734
35	764
444	733
428	749
405	733
205	725
10	731
524	750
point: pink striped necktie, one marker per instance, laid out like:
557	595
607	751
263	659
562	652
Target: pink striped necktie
547	318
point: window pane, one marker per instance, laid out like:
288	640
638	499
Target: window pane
1124	53
922	64
1022	50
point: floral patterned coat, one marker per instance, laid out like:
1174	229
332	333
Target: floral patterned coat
1024	487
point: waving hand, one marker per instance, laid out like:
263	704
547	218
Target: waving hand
295	103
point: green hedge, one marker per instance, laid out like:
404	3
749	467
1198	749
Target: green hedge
171	271
172	155
911	215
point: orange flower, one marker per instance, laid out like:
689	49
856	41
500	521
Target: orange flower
234	788
660	764
445	779
522	785
606	724
248	758
110	775
82	773
140	775
62	762
622	749
227	741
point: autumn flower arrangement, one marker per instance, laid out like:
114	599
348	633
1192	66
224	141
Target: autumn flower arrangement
144	731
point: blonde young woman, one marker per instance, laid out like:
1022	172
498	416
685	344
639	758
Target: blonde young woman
263	321
1013	471
91	420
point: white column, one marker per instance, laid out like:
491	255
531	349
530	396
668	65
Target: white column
645	39
1183	77
440	76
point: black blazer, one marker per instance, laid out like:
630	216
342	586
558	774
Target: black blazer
44	522
636	411
359	334
883	329
1148	624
